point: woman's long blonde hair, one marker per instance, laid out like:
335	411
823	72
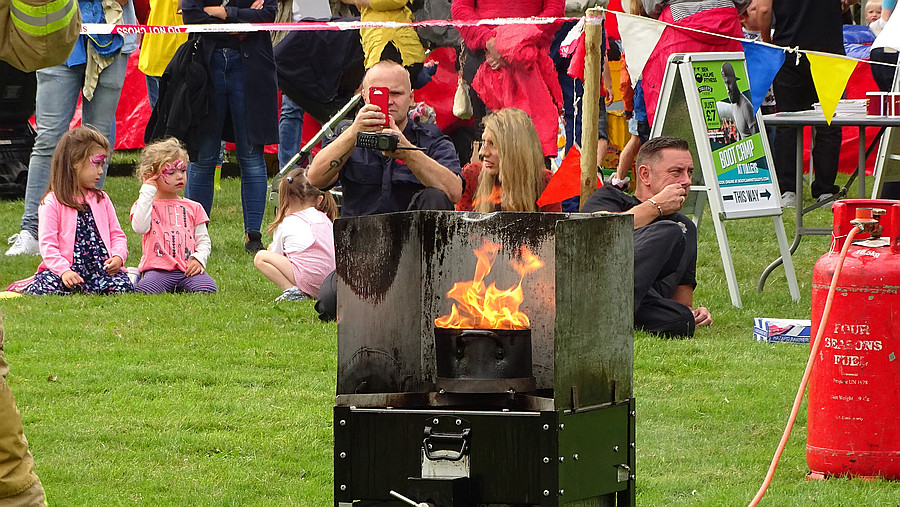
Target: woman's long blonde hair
521	173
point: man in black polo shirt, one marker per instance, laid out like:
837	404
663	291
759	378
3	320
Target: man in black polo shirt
665	241
385	182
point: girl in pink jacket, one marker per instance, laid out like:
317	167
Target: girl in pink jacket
81	242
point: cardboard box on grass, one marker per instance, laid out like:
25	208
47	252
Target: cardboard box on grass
781	330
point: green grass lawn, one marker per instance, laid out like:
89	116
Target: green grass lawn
226	399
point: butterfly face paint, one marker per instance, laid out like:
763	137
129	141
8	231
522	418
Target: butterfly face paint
98	160
171	167
173	176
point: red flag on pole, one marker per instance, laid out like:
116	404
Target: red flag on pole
566	182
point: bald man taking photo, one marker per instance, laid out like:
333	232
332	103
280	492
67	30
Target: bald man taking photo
374	181
665	241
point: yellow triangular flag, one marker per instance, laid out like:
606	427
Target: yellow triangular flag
830	75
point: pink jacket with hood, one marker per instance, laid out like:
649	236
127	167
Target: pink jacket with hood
56	231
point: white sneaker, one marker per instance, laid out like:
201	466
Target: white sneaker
824	197
788	200
23	243
292	294
133	274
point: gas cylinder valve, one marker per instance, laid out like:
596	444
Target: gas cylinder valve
865	221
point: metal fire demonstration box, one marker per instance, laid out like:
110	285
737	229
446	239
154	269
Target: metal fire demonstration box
398	428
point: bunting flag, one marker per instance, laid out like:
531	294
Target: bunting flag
890	35
763	63
830	75
566	181
639	37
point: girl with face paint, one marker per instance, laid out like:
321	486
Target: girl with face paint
82	245
175	240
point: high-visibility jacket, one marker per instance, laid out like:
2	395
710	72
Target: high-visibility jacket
16	463
38	33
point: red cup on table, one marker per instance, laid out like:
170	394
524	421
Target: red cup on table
875	103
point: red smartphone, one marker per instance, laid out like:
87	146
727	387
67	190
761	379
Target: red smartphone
378	95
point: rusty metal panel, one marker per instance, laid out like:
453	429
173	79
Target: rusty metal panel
379	281
395	269
594	351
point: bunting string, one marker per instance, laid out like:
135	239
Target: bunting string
102	28
796	50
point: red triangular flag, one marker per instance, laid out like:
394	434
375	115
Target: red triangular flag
566	182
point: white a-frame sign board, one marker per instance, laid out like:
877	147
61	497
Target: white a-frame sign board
705	99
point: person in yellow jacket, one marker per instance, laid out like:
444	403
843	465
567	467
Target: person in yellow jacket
36	33
157	48
33	35
401	45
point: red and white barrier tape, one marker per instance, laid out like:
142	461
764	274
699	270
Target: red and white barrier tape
99	28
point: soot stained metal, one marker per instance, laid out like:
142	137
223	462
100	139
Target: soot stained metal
541	414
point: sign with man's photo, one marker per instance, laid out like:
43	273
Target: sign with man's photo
738	149
705	98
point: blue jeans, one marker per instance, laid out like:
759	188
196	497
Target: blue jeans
573	92
227	73
58	89
152	90
290	130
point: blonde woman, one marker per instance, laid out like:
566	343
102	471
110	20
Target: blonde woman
511	174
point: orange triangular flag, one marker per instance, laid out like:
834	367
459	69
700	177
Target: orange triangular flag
566	182
830	75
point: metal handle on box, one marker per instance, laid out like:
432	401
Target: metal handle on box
432	437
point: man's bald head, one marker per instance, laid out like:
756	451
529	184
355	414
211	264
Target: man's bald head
385	68
395	78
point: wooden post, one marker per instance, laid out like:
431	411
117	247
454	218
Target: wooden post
593	58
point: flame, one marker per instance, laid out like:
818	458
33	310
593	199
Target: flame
493	198
480	307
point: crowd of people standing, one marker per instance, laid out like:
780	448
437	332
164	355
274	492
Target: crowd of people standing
71	223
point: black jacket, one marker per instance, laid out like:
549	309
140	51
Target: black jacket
260	84
185	97
320	70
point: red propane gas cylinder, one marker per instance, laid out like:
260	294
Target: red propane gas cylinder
854	408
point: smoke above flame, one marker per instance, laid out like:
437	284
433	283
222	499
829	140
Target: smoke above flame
486	307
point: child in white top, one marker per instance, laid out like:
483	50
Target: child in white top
175	241
302	251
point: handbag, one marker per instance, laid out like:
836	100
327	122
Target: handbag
462	102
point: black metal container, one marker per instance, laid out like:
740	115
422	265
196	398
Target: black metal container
483	360
457	458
